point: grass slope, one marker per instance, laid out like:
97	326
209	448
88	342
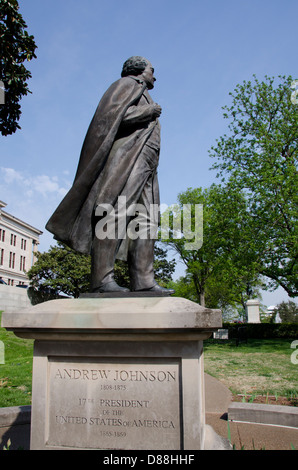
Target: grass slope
16	373
256	367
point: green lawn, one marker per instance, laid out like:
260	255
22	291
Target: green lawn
16	373
255	367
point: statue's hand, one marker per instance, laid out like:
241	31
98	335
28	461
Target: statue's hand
156	110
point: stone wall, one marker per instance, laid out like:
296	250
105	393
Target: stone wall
12	298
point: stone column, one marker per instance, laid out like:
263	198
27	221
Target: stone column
117	373
253	311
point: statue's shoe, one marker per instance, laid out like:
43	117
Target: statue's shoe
158	289
110	287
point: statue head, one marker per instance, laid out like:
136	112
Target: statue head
137	66
134	66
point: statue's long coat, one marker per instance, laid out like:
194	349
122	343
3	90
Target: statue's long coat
101	174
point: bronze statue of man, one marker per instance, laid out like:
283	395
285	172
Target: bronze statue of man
119	157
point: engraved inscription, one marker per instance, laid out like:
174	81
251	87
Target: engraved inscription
114	406
118	375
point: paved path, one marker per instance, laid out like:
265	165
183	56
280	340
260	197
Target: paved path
243	435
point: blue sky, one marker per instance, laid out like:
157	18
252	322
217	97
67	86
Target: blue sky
200	51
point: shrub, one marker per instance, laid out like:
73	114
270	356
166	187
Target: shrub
263	330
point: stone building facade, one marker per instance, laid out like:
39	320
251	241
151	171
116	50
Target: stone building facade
18	245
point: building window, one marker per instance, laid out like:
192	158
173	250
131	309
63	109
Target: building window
1	256
23	244
12	259
2	235
22	263
13	239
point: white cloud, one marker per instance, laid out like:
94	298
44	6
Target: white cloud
33	198
39	184
44	184
10	175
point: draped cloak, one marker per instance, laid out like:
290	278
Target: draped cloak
102	173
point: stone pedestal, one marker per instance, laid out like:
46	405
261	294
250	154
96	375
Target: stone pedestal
253	311
117	373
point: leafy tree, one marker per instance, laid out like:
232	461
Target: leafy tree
288	312
259	156
61	269
163	268
220	272
184	287
16	46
